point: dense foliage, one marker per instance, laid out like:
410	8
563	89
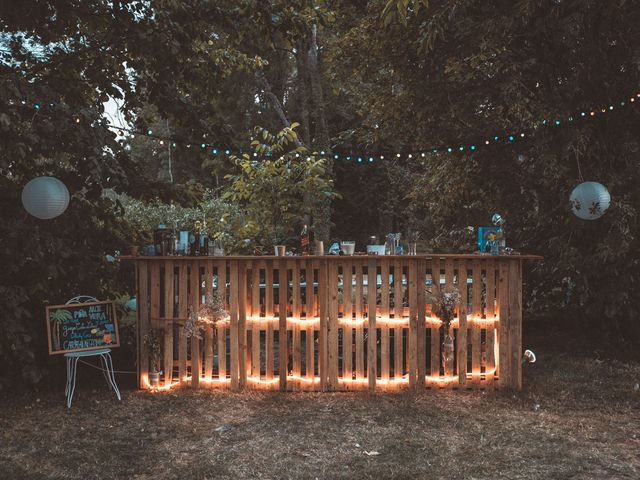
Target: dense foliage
377	76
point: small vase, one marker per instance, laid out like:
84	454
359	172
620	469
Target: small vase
154	379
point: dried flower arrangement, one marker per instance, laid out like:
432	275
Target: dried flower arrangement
444	305
208	314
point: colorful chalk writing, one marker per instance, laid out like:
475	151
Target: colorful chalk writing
82	326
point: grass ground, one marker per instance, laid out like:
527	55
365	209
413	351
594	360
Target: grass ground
578	417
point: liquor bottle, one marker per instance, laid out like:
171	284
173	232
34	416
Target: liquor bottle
304	241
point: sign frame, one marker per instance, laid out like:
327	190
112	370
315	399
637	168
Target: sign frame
112	310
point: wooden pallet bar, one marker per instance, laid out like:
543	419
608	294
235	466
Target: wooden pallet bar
332	322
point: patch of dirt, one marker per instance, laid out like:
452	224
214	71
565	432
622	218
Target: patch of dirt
578	417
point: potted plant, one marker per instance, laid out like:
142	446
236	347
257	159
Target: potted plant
444	305
152	343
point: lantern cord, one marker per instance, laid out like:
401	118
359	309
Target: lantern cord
579	170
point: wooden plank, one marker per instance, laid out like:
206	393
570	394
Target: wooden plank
332	326
462	322
398	311
268	301
296	315
155	296
413	323
183	312
196	361
283	340
256	312
515	323
234	327
242	322
435	328
359	324
372	340
324	314
490	296
448	282
384	288
347	330
143	324
420	325
309	314
503	326
168	324
384	313
221	269
476	330
208	334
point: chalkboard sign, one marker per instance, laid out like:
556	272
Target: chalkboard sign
82	326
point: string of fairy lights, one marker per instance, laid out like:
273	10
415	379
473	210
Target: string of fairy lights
465	147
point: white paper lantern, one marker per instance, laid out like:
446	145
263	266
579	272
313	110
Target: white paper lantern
590	200
45	197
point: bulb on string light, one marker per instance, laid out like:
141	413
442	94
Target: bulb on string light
496	138
348	157
461	149
297	155
381	157
360	159
255	154
336	156
214	151
449	149
423	155
472	147
511	138
557	122
571	119
203	146
435	150
370	159
592	113
410	156
522	135
174	145
486	142
398	155
149	132
582	114
36	106
227	152
77	120
161	142
322	152
610	107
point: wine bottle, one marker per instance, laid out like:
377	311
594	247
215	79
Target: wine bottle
304	241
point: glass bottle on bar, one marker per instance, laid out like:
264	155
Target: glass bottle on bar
304	241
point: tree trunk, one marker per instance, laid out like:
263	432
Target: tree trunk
303	91
322	130
275	102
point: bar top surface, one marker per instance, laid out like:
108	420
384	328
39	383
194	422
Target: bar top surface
467	256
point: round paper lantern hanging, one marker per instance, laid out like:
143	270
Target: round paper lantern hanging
45	197
590	200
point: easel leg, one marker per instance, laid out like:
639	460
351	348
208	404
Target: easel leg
72	386
111	374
